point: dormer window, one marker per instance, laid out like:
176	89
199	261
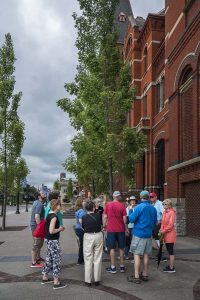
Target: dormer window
122	17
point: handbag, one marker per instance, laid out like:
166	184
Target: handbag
40	230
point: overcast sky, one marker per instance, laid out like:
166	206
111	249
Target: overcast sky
43	35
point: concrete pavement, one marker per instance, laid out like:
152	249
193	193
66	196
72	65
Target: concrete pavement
19	281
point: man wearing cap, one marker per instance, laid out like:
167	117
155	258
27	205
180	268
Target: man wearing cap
144	218
159	209
114	220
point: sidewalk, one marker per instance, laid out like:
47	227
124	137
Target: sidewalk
19	281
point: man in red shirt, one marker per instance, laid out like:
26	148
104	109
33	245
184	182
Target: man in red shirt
114	221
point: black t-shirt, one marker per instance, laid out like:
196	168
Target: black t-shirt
99	211
91	223
48	235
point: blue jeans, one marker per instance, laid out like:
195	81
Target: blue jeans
80	234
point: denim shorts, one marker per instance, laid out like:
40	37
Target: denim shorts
141	246
114	239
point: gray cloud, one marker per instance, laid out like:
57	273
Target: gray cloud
44	36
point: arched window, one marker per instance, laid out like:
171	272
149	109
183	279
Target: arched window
122	17
145	59
186	114
129	45
145	102
160	167
198	108
160	94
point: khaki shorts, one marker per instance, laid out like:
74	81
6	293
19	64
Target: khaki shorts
141	246
37	243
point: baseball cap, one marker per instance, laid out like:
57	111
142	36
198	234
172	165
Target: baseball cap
132	198
153	194
144	194
116	194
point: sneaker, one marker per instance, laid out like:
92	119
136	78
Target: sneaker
36	265
87	284
40	260
126	257
97	283
79	263
169	270
133	279
59	286
111	270
143	277
44	281
122	269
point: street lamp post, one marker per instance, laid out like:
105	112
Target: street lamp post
17	210
26	200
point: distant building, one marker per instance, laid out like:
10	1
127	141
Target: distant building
62	176
63	186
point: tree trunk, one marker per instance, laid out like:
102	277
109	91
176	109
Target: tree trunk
110	178
5	173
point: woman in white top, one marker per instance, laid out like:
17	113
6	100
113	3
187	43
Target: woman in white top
132	202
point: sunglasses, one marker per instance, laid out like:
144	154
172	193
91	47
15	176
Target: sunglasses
152	196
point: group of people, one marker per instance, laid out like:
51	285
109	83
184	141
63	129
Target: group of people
127	226
130	229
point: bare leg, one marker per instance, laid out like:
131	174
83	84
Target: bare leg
112	256
171	261
137	265
121	253
146	264
33	257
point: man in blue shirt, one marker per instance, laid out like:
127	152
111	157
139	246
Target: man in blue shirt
159	209
144	218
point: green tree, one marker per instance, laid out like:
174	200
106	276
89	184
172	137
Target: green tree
11	127
101	100
69	189
56	185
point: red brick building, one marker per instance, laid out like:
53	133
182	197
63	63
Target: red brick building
164	51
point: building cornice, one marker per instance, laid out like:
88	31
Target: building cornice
184	164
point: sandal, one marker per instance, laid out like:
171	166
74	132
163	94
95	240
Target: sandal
143	277
133	279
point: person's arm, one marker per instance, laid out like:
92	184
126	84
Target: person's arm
52	226
125	219
133	215
105	220
38	211
124	215
37	218
161	207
